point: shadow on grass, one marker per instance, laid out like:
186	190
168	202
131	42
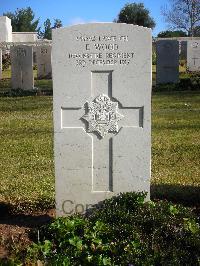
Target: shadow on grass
24	93
185	195
30	220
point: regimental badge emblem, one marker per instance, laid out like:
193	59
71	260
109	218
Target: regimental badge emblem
102	116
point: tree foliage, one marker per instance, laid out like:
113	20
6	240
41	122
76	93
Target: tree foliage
57	23
23	20
135	14
124	230
169	34
47	32
183	15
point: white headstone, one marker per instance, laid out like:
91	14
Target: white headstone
193	55
167	65
1	66
43	56
22	67
102	97
5	29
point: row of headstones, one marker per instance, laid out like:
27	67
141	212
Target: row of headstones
167	52
167	68
23	58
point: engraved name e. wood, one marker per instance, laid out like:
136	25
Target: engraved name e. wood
101	51
102	115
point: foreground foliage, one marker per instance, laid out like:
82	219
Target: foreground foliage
124	230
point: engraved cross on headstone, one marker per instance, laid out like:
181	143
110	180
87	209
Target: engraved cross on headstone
106	122
195	58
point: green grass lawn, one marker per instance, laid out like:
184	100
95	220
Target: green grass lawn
26	162
176	138
176	146
5	83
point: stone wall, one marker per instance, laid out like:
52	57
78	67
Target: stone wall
24	37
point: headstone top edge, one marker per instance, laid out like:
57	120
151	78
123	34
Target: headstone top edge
160	41
192	41
22	32
22	46
4	19
100	24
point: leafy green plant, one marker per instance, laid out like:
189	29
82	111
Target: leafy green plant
124	230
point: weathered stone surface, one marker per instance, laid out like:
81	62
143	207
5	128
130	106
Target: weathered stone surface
1	64
193	55
5	29
102	128
22	67
43	59
24	37
167	68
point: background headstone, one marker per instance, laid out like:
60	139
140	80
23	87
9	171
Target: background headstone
193	55
35	55
1	66
43	58
5	29
167	57
34	59
22	67
183	54
102	95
